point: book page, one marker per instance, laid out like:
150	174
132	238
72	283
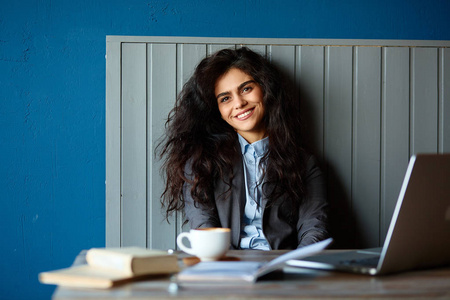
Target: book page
294	254
243	271
221	271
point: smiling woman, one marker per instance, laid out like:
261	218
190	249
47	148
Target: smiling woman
240	101
234	157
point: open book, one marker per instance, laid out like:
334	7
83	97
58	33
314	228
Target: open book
243	271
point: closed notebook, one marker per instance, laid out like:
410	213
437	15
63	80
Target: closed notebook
85	276
133	260
108	267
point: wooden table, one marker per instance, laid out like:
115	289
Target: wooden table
293	283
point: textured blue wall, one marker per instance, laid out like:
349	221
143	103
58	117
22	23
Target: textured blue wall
52	102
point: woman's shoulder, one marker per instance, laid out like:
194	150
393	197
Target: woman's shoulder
312	165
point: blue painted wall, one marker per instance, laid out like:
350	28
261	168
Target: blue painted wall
52	102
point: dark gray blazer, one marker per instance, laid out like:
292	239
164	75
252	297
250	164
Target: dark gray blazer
283	226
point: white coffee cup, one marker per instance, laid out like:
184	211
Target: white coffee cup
208	244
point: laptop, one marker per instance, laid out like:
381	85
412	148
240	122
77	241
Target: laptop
419	233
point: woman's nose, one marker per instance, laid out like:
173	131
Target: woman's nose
240	102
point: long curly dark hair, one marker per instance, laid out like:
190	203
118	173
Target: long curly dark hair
196	133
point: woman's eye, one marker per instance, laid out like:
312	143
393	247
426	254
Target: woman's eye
224	99
246	89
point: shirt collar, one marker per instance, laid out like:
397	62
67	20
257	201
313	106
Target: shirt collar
260	147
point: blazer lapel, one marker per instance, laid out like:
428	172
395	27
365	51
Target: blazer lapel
238	187
230	205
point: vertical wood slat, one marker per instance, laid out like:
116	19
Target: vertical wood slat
366	143
395	129
188	56
444	100
162	93
310	80
112	128
338	139
134	147
424	97
284	58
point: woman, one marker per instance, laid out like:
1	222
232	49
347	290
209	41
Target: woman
233	156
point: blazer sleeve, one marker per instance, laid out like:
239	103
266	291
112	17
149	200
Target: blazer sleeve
198	215
312	219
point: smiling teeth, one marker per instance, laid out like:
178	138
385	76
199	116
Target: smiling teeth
244	114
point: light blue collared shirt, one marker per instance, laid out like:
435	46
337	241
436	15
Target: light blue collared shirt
252	236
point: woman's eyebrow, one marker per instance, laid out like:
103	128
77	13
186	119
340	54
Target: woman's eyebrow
240	87
222	94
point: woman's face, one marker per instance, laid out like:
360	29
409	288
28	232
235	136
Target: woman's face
240	101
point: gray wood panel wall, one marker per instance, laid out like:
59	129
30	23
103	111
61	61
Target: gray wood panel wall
368	106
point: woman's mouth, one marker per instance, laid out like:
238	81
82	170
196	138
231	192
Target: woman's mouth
245	115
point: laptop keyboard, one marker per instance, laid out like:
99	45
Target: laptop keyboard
367	262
